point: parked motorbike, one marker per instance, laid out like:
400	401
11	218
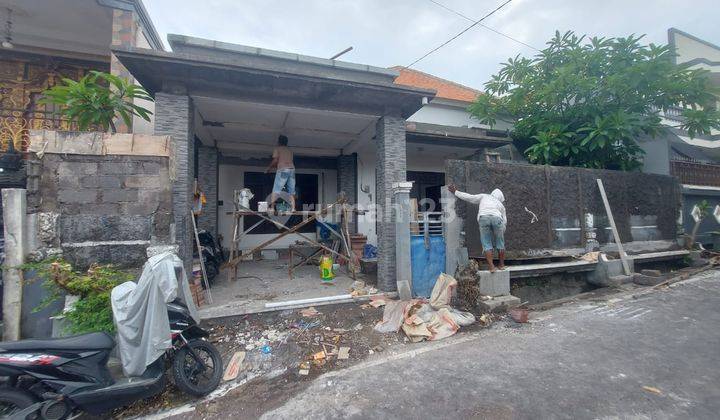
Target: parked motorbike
56	378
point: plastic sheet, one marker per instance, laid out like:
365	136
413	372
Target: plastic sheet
140	311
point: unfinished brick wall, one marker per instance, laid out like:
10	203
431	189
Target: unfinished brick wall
104	209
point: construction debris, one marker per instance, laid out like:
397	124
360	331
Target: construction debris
343	353
426	320
234	365
309	312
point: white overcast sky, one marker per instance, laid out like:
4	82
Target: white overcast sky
396	32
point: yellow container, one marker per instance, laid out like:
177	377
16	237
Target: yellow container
326	271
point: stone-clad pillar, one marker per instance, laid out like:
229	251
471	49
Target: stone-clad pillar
347	176
391	168
208	181
174	116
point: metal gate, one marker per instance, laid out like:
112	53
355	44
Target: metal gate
427	252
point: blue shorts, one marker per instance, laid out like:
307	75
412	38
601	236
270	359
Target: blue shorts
492	229
284	178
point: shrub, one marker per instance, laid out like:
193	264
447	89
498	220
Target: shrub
92	312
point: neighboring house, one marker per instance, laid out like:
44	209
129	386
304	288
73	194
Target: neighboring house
45	41
694	161
444	129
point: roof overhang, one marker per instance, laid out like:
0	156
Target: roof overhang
247	76
469	137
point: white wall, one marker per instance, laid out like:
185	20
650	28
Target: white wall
689	49
231	177
454	116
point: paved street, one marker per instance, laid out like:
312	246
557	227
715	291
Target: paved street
580	361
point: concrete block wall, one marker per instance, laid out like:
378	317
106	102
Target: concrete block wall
100	209
173	117
391	168
208	181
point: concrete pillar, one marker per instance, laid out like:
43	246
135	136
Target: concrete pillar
173	116
391	168
347	175
208	181
591	243
452	226
14	210
403	270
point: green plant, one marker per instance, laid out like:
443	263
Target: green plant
584	102
97	99
92	312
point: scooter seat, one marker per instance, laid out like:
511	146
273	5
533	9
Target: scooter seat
92	341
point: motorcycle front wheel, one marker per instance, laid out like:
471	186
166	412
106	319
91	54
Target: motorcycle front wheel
190	376
13	400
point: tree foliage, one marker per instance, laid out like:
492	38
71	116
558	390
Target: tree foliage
97	99
584	102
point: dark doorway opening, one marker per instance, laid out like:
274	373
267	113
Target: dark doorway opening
261	184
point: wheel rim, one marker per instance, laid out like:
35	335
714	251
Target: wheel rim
7	408
193	370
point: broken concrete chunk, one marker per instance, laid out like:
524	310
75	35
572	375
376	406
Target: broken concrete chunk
343	353
651	273
618	280
644	280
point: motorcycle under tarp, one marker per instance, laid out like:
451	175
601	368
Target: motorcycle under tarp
140	311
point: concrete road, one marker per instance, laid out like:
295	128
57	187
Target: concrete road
580	361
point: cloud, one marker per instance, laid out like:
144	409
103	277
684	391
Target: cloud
396	32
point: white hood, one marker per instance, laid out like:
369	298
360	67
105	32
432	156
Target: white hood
498	195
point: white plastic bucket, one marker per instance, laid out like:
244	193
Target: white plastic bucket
262	206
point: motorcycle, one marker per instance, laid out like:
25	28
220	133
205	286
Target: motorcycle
56	378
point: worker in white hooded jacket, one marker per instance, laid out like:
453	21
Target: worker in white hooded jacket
491	220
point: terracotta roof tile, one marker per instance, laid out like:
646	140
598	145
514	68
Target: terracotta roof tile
445	88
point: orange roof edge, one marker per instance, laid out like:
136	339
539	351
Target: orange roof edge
445	88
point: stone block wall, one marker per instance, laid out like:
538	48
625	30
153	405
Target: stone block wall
104	209
547	206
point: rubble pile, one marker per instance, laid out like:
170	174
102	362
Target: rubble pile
468	289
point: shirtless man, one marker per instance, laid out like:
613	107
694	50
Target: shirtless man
282	160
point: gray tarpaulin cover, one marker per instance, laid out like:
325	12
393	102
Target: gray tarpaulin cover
140	311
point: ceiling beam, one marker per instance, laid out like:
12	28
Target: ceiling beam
346	136
240	146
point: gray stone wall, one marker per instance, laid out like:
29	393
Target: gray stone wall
347	182
391	167
645	206
104	209
173	117
208	180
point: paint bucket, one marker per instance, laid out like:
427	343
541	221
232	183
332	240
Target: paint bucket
262	206
519	315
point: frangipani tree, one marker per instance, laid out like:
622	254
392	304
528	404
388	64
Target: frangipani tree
97	99
584	102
